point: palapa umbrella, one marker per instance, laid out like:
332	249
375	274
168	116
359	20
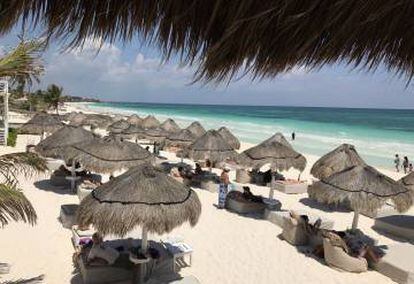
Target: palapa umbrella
275	151
97	120
343	157
170	125
77	119
181	139
134	120
145	197
133	132
156	134
108	154
54	145
211	146
196	128
267	38
118	126
408	181
150	122
41	123
364	188
229	137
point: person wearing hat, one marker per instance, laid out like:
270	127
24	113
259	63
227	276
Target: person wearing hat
224	187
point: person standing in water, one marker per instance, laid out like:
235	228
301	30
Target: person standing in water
405	164
223	188
397	162
293	136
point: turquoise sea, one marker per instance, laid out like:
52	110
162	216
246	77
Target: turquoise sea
377	133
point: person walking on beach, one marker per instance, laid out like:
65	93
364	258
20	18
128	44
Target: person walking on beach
223	188
397	162
405	164
293	136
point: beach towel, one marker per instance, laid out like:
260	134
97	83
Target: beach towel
223	189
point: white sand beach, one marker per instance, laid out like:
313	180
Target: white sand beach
228	248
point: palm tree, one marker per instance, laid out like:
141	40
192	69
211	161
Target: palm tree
53	96
21	64
14	206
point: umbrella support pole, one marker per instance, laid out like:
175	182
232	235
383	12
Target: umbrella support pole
271	190
144	242
355	220
73	180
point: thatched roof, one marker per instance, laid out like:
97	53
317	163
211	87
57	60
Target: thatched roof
134	120
133	131
54	145
196	128
108	154
41	123
363	187
211	146
118	126
343	157
180	139
170	125
77	118
98	120
408	181
267	37
156	134
273	151
229	137
144	196
150	122
69	116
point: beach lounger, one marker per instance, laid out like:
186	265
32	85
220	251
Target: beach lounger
68	215
242	176
278	218
398	263
336	257
81	236
294	233
398	225
245	207
290	187
178	250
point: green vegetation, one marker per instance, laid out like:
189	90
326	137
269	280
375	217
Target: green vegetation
21	65
12	137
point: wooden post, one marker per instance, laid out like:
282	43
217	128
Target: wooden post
6	117
144	242
355	220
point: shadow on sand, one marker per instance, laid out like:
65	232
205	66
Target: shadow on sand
46	186
323	207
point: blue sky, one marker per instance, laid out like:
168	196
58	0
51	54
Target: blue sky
134	73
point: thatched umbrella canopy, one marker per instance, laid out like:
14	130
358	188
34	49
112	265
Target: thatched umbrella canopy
134	120
278	137
133	132
408	181
229	137
77	119
343	157
108	154
267	38
97	120
55	145
156	134
41	123
150	122
143	197
118	126
273	151
364	188
181	139
211	146
196	128
69	116
170	125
